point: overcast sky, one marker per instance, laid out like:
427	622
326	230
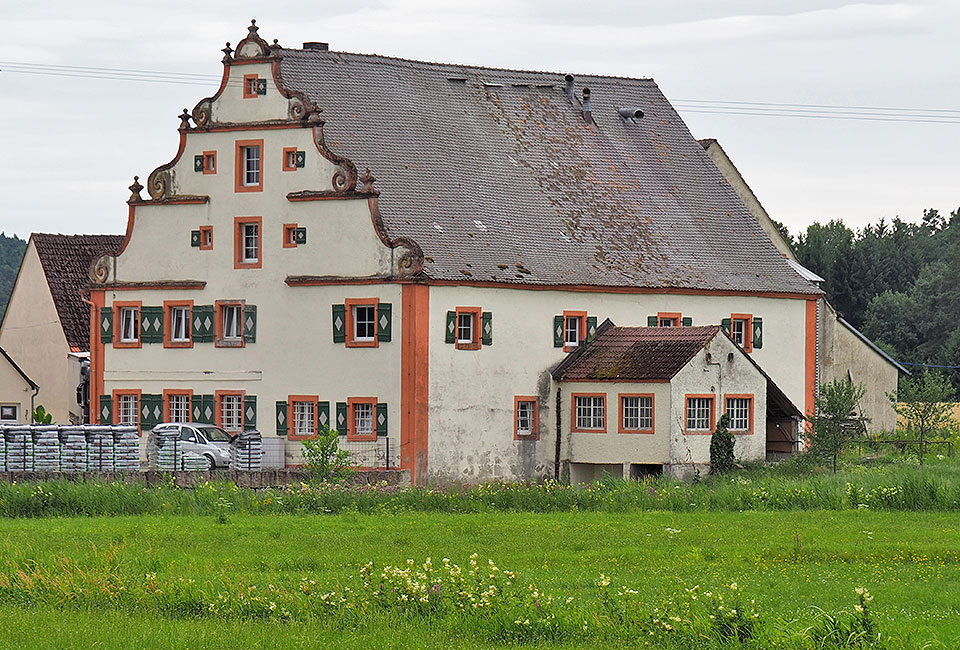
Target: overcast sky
70	146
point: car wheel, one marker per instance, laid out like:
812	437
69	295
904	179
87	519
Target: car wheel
211	464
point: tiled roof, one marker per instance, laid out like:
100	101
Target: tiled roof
496	176
637	353
65	260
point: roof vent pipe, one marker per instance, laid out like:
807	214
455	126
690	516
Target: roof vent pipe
568	87
316	45
630	113
586	108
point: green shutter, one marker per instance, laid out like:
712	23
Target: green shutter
250	323
381	421
341	418
249	411
323	416
339	323
282	418
653	321
106	324
301	234
725	325
300	158
198	163
686	321
591	328
195	238
486	328
261	86
151	324
450	333
204	409
384	321
106	409
558	331
757	333
151	411
202	323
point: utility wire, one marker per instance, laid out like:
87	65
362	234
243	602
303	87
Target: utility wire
928	365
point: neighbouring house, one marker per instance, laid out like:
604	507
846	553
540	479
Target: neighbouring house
842	351
17	392
645	400
46	327
404	250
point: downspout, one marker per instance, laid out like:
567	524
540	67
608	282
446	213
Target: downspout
33	405
556	464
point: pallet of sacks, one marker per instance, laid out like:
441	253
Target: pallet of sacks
73	449
100	449
19	449
246	452
191	462
46	448
126	449
168	452
3	448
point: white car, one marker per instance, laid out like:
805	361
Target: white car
206	440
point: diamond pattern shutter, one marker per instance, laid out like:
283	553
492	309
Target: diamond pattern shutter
323	416
198	163
558	331
341	418
725	325
653	321
195	238
106	409
281	418
686	321
757	333
151	411
384	321
202	323
339	323
381	422
249	412
450	332
591	328
300	158
151	324
261	86
106	324
486	328
250	323
301	234
203	406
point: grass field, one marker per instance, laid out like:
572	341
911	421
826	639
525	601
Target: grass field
100	576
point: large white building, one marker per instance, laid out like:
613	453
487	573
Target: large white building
269	280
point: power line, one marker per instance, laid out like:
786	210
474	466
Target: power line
928	365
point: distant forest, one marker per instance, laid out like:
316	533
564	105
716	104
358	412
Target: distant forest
11	252
897	282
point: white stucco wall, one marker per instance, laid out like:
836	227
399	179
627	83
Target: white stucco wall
471	392
719	377
33	336
14	391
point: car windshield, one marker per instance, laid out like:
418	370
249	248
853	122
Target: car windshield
215	434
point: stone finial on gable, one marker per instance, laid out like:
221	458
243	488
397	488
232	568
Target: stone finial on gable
227	52
252	46
135	191
185	118
366	183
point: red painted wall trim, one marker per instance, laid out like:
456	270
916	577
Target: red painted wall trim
810	369
96	355
415	381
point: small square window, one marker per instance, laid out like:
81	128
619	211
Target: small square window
364	322
465	327
250	83
206	238
290	235
636	413
9	413
209	162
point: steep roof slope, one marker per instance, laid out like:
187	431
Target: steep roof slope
637	353
498	177
65	260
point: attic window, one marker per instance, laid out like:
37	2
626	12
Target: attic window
253	85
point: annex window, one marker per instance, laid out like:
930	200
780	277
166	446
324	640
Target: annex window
740	410
699	416
305	418
590	413
249	166
525	418
636	413
230	411
9	413
248	244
